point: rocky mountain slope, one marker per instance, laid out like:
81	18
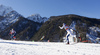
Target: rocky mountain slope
24	28
51	31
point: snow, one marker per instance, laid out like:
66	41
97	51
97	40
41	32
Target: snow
8	47
9	17
4	10
37	18
93	34
91	37
94	28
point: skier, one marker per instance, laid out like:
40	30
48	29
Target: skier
69	31
12	33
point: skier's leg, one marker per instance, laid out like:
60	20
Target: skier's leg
14	38
68	38
11	37
74	37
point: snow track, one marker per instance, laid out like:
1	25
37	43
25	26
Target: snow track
8	47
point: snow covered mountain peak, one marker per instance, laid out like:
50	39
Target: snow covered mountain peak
37	18
8	17
34	15
4	10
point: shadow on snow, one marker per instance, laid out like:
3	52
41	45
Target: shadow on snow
19	43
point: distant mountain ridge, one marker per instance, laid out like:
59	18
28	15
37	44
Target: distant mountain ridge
10	16
37	18
6	11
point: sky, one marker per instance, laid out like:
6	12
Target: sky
47	8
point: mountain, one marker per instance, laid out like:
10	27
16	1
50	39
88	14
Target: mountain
4	10
30	28
50	29
8	17
24	28
37	18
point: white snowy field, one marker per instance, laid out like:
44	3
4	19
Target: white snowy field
8	47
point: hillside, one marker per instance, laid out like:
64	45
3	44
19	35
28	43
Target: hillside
51	31
24	28
8	47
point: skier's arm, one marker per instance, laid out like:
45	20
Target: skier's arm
15	31
61	27
70	27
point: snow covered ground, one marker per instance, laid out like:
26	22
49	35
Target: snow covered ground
8	47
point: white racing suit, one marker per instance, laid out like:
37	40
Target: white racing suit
69	32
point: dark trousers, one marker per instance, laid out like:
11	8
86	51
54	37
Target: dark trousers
67	37
12	35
